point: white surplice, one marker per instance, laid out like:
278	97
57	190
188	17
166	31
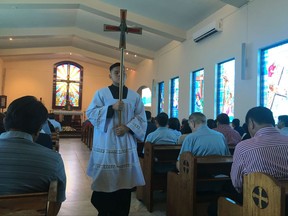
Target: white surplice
114	162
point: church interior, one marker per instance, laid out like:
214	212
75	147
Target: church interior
60	52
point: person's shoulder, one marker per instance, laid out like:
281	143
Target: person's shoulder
244	146
134	93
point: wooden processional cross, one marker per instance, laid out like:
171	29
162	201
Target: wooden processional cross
123	29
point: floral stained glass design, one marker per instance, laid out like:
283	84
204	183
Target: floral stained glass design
68	86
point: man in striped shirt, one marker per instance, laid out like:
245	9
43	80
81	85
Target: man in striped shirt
26	166
266	151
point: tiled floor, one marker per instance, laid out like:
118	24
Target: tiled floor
75	155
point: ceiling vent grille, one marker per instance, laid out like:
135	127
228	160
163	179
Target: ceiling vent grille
208	30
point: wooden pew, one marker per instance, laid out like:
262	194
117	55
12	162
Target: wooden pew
156	155
32	204
55	140
262	195
182	195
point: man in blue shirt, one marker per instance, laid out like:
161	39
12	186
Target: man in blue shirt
163	134
203	141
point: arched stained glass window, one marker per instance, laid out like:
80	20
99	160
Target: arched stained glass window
67	86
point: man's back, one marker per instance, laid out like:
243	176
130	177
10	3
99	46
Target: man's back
231	135
266	152
162	135
28	167
205	141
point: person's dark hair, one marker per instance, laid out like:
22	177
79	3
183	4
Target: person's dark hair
174	123
223	118
25	114
245	128
236	122
186	128
162	119
51	116
117	64
148	115
284	119
260	115
211	123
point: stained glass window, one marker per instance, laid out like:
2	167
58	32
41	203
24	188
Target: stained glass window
174	97
160	97
197	82
67	86
274	79
225	88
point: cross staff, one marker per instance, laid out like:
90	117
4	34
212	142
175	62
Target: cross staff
123	29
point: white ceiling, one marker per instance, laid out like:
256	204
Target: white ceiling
74	28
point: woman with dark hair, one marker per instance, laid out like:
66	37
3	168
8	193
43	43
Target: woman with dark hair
185	131
174	125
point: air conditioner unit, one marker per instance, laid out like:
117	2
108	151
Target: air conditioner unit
208	30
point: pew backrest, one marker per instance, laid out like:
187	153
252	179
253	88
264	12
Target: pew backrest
157	155
262	195
40	203
182	186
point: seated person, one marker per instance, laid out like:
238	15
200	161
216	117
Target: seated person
246	134
174	124
211	123
151	126
185	130
163	134
56	124
283	124
203	141
265	152
232	136
31	166
44	140
237	127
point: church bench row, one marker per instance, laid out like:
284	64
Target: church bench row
87	134
41	203
208	174
262	195
157	160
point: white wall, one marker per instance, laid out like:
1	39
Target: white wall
259	24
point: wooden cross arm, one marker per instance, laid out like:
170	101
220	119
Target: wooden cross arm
111	28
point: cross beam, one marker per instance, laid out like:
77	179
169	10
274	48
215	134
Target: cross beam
123	28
